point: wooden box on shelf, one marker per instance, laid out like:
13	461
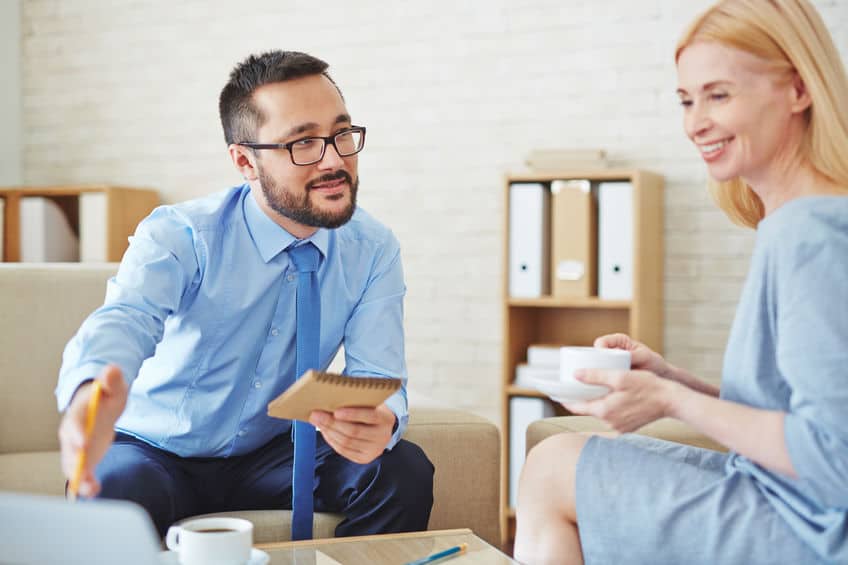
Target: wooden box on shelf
102	217
579	320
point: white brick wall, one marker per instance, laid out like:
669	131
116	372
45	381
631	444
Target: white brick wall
10	93
453	94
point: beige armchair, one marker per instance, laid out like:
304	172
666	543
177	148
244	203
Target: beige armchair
667	429
42	305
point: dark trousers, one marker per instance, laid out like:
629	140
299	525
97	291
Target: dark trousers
393	493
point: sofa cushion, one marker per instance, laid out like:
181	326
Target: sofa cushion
270	526
41	307
466	451
38	472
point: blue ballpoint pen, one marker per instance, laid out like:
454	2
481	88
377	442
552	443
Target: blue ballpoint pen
457	550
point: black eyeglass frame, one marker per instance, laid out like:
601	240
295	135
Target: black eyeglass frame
326	140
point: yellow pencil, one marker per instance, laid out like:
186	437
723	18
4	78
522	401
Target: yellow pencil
90	417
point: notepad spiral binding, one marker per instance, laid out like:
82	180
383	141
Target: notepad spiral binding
358	382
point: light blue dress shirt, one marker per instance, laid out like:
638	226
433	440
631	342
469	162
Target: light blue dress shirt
201	320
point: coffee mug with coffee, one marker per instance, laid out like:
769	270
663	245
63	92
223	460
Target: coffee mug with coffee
573	358
211	541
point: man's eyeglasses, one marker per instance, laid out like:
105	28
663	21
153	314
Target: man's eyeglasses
309	150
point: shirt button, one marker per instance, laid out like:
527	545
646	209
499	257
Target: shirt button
242	433
290	278
257	384
275	332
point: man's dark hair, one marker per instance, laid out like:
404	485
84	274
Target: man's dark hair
240	117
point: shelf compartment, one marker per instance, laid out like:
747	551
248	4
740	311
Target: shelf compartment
527	325
513	390
568	302
122	209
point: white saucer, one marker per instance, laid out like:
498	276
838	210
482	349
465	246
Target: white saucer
257	557
567	392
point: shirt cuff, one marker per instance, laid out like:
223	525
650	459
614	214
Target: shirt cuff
397	404
71	381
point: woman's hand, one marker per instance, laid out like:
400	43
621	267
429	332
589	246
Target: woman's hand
642	357
636	398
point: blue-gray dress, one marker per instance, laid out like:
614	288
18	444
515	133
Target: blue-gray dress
641	500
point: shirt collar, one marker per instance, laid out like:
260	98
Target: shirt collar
270	239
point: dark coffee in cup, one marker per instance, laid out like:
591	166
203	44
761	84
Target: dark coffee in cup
215	530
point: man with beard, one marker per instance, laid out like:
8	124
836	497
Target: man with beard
198	331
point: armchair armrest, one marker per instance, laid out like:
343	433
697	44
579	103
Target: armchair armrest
465	449
666	428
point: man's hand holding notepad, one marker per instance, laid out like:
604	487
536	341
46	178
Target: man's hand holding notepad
316	390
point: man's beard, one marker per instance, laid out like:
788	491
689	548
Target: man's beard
301	209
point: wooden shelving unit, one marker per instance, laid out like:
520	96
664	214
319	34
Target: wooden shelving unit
579	320
124	208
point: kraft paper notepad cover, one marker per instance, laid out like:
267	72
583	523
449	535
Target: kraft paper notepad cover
316	390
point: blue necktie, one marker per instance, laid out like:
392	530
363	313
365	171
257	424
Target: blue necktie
308	318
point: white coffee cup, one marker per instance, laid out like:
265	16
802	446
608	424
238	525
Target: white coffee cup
573	358
211	541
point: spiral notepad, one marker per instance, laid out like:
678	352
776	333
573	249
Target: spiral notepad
327	391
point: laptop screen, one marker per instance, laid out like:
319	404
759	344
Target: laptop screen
49	529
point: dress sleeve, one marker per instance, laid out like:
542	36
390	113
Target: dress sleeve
159	265
811	282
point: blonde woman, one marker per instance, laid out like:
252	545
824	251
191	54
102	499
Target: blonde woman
764	95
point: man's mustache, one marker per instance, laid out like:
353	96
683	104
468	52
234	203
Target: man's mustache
330	177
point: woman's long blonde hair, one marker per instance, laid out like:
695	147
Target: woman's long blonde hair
792	37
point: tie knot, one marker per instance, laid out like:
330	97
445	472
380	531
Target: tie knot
305	257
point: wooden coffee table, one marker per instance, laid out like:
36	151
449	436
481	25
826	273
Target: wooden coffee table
390	549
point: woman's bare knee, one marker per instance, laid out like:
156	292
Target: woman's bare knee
547	479
546	517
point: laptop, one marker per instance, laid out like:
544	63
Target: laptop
44	530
